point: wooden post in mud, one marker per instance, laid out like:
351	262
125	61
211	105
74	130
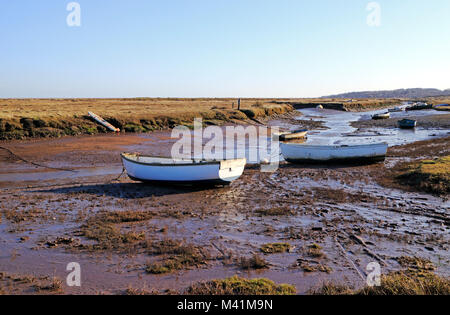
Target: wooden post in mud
239	104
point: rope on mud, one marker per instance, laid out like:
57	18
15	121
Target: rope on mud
351	261
123	172
35	164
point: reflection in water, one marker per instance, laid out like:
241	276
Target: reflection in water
340	131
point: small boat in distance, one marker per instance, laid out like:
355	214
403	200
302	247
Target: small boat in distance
396	109
407	124
291	135
381	116
182	171
420	106
313	154
442	107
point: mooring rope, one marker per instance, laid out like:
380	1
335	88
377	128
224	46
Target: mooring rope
350	260
123	172
35	164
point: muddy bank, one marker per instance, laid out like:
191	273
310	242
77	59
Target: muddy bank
126	235
430	121
422	166
302	225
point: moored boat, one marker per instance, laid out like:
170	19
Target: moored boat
182	171
407	123
381	116
299	153
442	107
420	106
396	110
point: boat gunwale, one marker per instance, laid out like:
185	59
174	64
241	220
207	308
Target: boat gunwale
328	147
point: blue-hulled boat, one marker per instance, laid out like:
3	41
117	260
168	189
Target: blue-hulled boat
407	124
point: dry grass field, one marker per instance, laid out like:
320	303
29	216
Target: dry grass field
136	107
37	118
126	108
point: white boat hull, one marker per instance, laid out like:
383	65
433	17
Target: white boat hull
381	116
141	168
299	153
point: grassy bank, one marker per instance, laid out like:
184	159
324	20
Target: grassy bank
423	166
397	283
41	118
429	175
240	286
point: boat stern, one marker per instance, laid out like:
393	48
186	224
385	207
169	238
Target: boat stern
231	170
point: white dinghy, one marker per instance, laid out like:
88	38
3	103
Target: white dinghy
300	153
182	171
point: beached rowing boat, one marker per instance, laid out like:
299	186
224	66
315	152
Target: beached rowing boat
407	124
300	153
103	122
381	116
420	106
396	110
291	135
182	172
442	107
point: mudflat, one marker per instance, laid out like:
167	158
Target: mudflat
302	225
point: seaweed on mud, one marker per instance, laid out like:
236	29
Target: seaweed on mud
105	229
340	196
19	216
416	263
176	256
175	263
54	286
315	267
124	216
315	250
109	236
275	248
275	211
140	291
19	284
330	288
240	286
255	262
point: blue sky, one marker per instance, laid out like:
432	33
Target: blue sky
221	48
